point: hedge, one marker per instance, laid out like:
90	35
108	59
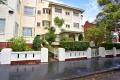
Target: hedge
75	46
0	49
117	45
109	46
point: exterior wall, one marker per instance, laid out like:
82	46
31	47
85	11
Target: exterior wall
69	19
9	20
23	20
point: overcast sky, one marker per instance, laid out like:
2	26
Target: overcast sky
90	6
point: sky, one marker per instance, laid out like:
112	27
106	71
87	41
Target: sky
90	6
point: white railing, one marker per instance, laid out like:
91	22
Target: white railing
33	55
0	56
104	53
109	52
118	51
75	54
7	55
64	55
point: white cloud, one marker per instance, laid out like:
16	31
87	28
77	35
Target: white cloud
92	10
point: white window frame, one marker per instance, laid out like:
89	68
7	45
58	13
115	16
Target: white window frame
58	10
2	28
76	14
24	33
29	13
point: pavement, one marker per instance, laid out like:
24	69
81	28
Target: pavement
58	70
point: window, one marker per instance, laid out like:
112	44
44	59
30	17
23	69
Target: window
29	11
58	10
46	11
2	26
27	31
67	26
39	1
46	23
67	13
38	24
76	25
39	12
75	13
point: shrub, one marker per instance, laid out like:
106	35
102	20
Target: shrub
107	46
75	46
117	45
0	49
50	36
37	43
66	39
18	44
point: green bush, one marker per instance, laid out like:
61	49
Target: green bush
117	45
75	46
66	39
107	46
37	43
0	49
50	36
18	44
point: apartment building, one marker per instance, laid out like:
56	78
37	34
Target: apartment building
29	18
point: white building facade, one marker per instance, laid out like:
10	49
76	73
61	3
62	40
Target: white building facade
29	18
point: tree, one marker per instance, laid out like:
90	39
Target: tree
109	17
95	34
50	36
37	43
58	22
18	44
110	13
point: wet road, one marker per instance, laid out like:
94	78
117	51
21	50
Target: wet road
57	70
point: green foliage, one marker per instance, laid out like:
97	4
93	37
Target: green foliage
18	44
37	43
66	39
0	49
96	34
103	2
109	16
111	8
107	46
117	45
58	22
50	36
74	46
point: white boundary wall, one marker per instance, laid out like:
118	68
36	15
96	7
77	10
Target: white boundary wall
6	55
62	54
104	53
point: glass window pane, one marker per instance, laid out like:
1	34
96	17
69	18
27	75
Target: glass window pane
2	25
28	10
27	31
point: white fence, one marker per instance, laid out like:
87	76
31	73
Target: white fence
63	55
6	55
75	54
33	55
104	53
